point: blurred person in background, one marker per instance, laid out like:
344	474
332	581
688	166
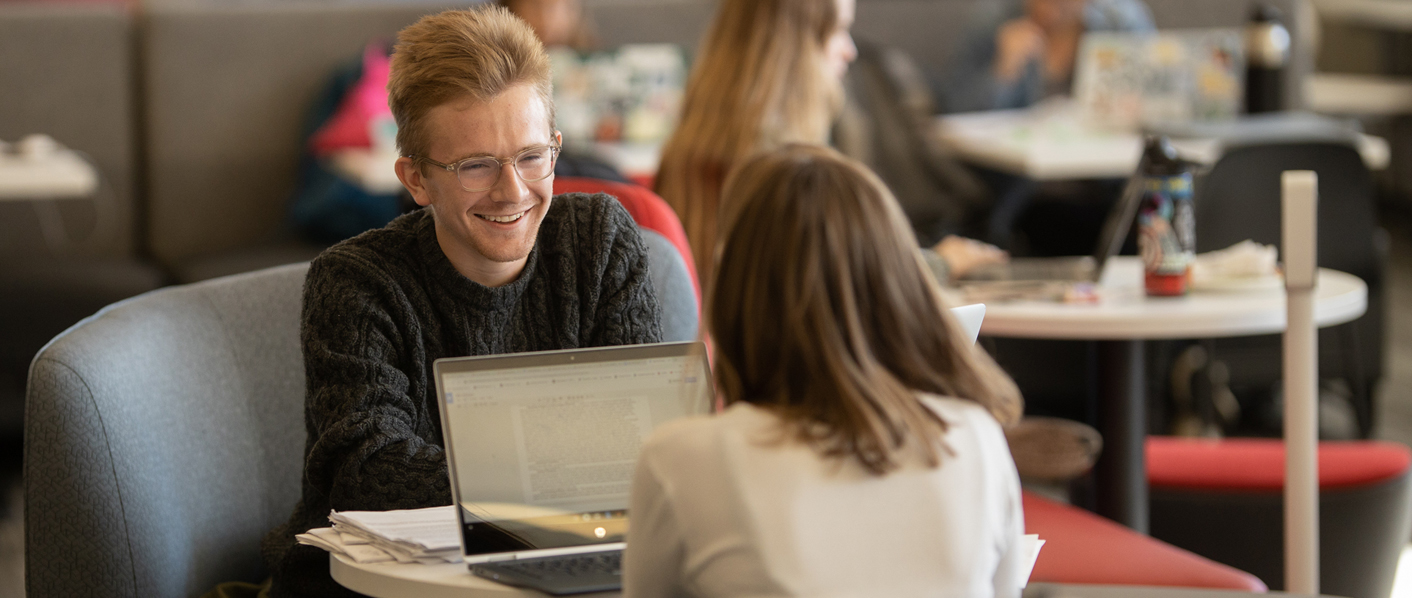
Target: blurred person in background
556	22
769	73
562	26
861	452
1019	53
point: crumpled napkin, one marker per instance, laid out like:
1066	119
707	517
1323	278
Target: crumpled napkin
1246	259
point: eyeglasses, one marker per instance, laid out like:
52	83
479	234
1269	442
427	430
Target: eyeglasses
481	173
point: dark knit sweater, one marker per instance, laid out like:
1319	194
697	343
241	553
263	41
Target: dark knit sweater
381	307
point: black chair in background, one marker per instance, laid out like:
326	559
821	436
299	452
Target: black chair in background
1239	198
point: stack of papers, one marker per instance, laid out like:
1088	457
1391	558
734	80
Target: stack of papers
425	536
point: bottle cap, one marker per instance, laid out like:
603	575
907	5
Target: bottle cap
1266	38
1161	158
1264	12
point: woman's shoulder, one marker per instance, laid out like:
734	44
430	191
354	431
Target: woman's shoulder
955	411
700	434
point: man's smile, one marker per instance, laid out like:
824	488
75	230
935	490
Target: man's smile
509	218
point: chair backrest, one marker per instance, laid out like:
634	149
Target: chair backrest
161	439
1240	199
681	312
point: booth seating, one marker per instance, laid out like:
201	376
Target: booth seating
1223	499
1083	548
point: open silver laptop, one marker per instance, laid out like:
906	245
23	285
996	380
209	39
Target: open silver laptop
1021	273
541	449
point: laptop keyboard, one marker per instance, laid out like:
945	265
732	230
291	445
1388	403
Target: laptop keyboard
565	566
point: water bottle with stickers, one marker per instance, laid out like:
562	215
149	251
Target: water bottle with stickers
1166	223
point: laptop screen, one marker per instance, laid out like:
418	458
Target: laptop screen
1127	80
542	446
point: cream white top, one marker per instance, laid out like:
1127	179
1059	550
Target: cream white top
721	507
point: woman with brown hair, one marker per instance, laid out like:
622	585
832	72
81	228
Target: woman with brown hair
861	452
769	73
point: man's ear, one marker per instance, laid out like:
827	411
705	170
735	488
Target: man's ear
410	173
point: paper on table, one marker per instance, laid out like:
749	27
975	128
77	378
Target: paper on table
328	539
406	536
1030	543
429	529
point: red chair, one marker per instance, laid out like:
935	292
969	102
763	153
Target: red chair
650	211
1083	548
1223	499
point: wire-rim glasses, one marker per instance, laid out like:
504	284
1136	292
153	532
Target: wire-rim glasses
483	172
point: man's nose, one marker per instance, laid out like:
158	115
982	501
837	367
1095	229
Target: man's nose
510	187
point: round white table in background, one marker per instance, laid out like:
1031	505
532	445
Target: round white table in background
448	580
1122	319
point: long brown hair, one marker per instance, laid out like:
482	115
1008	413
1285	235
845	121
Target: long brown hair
759	82
823	312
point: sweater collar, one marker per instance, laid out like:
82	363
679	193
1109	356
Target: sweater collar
478	296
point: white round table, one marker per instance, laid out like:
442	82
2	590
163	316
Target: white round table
399	580
1122	319
1124	312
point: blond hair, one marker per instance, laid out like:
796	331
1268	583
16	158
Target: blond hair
823	313
760	82
479	53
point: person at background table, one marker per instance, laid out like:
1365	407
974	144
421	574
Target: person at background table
768	73
861	452
491	264
556	22
562	26
1021	52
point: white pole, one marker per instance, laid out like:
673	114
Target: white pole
1301	370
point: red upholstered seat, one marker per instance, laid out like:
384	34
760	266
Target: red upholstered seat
1224	499
1258	464
647	209
1083	548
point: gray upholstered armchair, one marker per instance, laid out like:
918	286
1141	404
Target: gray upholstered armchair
162	439
163	434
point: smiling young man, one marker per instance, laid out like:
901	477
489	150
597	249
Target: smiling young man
492	264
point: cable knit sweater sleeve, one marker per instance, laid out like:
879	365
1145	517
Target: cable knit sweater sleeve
370	446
